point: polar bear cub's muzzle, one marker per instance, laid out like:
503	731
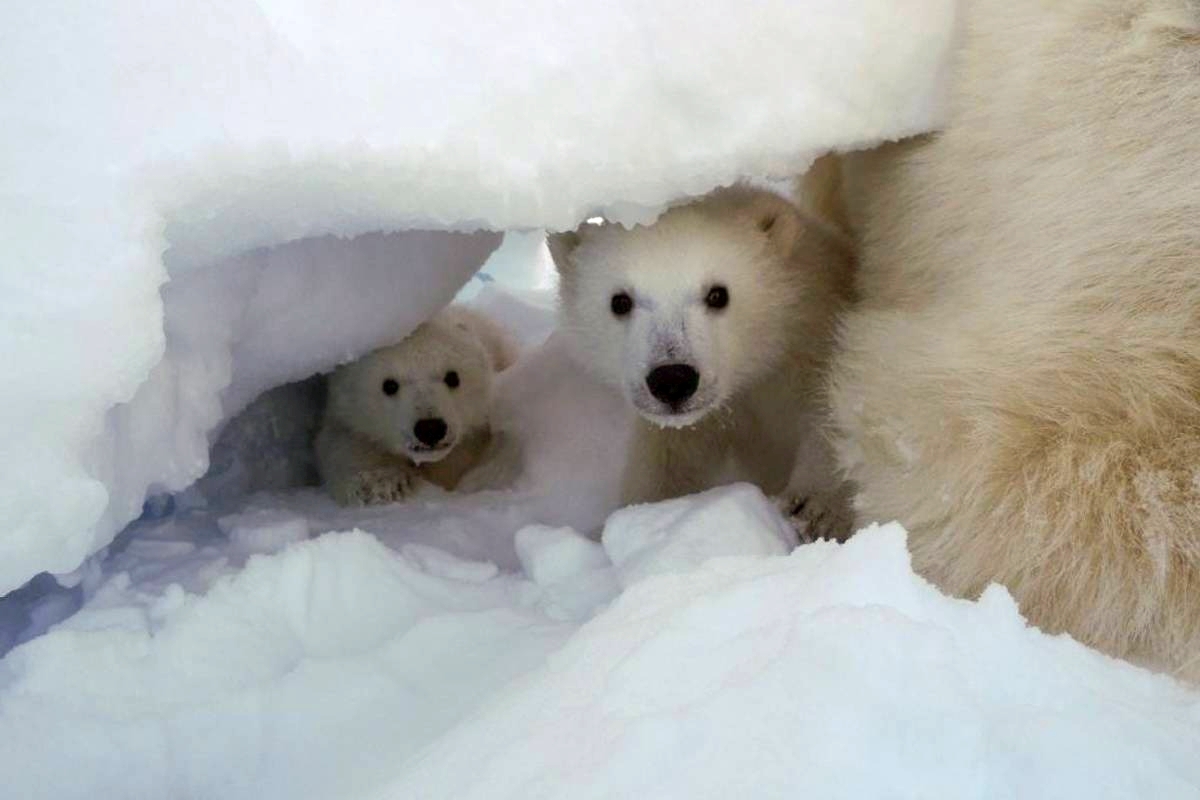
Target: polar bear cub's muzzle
428	432
430	440
673	389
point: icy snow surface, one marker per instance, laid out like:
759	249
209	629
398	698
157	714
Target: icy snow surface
493	646
147	142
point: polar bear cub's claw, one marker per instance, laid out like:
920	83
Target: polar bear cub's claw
375	486
818	515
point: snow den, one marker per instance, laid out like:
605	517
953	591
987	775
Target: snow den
202	202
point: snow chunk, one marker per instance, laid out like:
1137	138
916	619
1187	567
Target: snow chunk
445	565
679	535
550	555
574	573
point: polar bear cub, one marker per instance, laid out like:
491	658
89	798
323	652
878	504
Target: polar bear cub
716	323
416	409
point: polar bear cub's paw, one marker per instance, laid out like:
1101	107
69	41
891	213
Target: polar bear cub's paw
376	487
819	514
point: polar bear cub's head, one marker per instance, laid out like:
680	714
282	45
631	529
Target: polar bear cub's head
420	397
685	313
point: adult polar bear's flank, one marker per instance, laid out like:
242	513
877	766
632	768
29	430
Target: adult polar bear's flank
1021	383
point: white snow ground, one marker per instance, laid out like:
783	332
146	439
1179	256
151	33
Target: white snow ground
482	646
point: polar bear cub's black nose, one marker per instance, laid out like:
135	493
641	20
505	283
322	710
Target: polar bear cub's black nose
430	431
673	383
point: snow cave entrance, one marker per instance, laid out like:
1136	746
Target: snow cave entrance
315	303
211	459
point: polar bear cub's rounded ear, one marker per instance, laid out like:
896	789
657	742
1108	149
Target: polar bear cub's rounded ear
772	215
496	342
765	211
562	246
501	348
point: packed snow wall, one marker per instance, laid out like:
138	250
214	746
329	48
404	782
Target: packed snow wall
201	199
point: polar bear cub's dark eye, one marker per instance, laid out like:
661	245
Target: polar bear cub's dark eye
451	379
390	387
621	304
717	297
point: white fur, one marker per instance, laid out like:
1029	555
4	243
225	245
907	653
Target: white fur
1021	383
760	359
366	449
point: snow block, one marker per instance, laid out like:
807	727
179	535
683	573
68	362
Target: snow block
679	535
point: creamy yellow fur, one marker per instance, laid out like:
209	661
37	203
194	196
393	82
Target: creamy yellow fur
1020	385
365	446
763	359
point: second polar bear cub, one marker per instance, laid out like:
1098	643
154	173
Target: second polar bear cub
716	322
418	408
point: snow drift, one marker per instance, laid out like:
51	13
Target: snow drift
339	668
143	144
481	646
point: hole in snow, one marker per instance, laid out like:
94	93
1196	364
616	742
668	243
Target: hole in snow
224	423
